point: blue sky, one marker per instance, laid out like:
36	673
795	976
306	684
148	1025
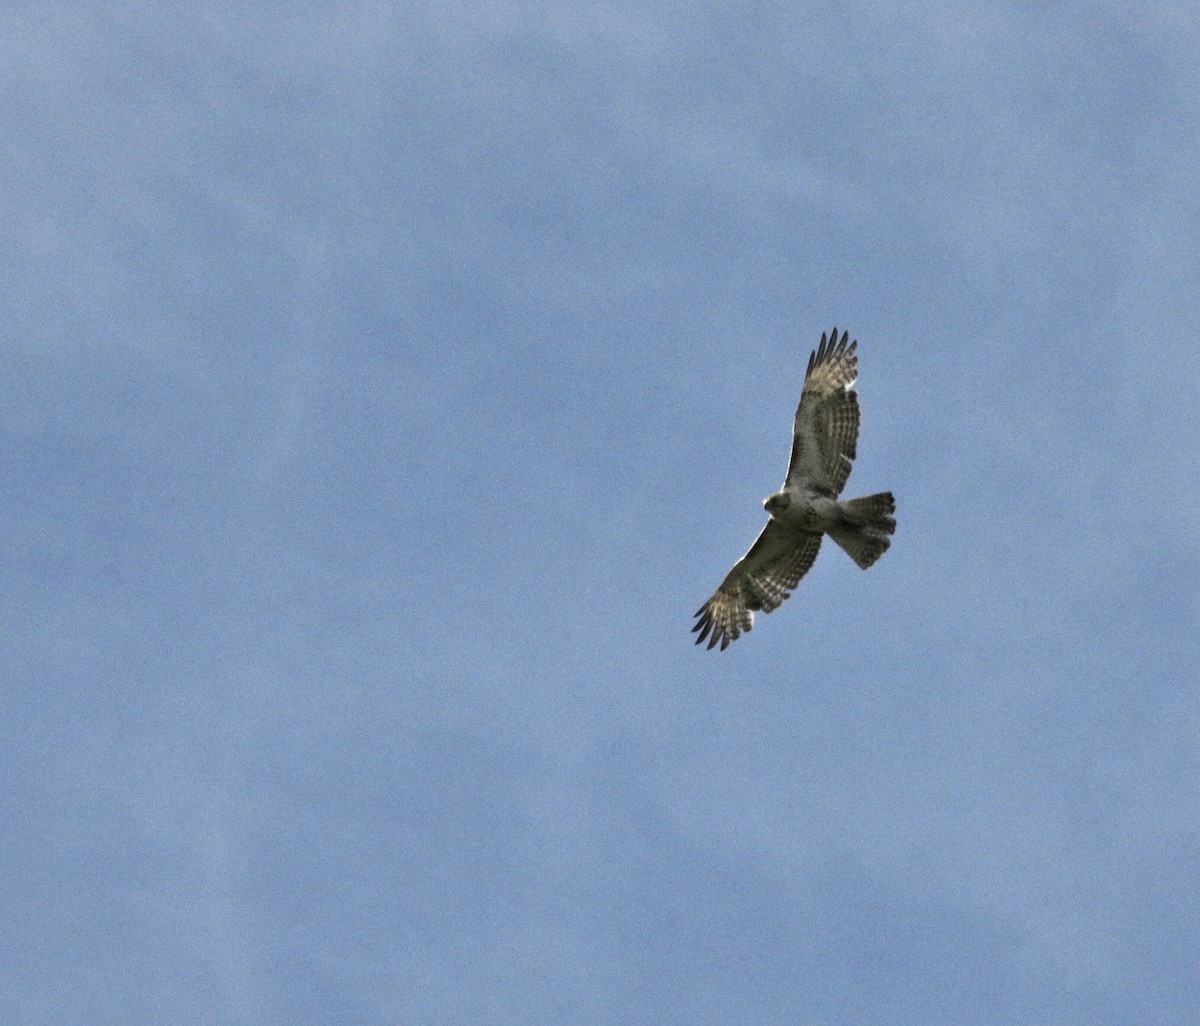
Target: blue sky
384	385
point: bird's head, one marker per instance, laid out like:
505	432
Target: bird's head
777	503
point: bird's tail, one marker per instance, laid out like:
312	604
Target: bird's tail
866	528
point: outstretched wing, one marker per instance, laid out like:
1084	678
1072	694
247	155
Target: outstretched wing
761	579
825	433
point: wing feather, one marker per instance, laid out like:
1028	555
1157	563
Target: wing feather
825	432
761	579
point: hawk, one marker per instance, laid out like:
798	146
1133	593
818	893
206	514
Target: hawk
806	507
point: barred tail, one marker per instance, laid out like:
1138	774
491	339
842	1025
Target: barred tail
868	524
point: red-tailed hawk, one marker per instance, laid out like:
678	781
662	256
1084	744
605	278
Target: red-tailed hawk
806	507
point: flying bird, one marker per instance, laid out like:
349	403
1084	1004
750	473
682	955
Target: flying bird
824	437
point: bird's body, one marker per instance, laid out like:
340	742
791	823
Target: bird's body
806	508
803	509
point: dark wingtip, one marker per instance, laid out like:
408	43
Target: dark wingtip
710	629
830	346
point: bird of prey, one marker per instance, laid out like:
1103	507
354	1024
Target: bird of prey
806	507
